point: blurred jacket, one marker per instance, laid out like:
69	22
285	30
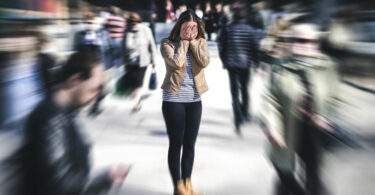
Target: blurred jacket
139	46
56	155
238	47
174	54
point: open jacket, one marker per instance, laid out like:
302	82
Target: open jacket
174	54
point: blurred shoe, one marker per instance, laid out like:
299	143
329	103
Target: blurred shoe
238	128
180	188
137	107
94	112
248	118
189	188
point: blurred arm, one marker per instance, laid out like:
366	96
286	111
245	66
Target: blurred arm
255	49
152	47
67	174
221	39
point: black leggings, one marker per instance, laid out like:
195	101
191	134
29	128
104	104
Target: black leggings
182	121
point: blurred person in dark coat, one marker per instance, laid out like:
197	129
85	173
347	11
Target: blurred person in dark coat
56	151
238	50
209	20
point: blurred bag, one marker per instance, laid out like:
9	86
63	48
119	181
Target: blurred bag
123	86
153	80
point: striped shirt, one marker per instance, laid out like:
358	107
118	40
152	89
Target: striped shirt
115	25
188	92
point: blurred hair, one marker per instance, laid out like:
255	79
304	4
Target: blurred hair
186	16
116	10
133	18
80	63
89	16
240	12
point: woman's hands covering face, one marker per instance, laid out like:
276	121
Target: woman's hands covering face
189	30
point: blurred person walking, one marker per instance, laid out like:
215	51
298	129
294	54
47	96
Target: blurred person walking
94	38
179	10
199	11
169	17
226	17
238	50
217	16
185	53
139	52
301	107
25	77
209	19
115	25
56	150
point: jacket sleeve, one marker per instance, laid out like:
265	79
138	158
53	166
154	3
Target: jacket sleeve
221	39
174	57
200	52
255	49
152	47
59	166
271	114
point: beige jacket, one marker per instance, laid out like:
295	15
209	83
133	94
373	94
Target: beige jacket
174	54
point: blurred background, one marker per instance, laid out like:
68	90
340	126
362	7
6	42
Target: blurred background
37	37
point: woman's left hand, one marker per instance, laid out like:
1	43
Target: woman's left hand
194	32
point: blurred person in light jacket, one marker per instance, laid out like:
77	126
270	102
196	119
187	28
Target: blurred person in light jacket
139	51
300	105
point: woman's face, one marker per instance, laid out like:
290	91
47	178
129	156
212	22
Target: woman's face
189	30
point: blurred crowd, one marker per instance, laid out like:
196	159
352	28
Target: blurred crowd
302	51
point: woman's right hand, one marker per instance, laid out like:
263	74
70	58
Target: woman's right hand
188	31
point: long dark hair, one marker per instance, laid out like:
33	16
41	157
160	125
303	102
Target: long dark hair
186	16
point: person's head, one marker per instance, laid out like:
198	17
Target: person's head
226	9
82	77
198	7
239	11
182	7
187	16
116	10
219	7
305	40
91	21
133	19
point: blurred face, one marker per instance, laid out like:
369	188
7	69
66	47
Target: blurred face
305	41
305	47
86	91
92	25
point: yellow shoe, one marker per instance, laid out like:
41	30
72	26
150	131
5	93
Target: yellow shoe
189	188
180	188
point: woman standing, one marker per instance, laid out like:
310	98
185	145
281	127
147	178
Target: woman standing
185	54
